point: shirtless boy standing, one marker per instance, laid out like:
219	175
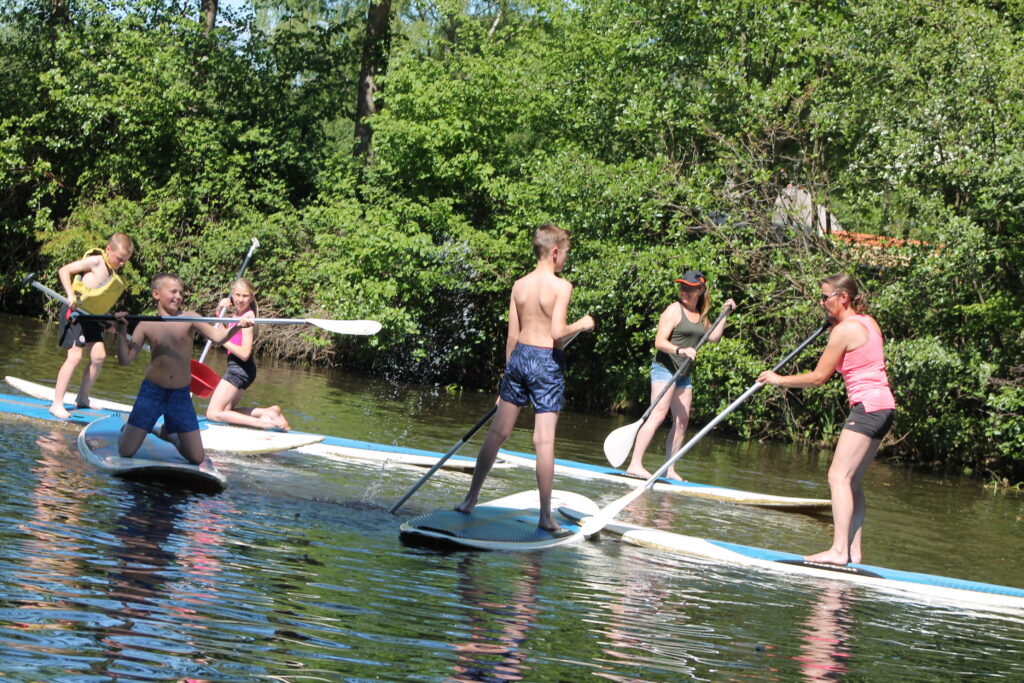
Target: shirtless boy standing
534	370
165	390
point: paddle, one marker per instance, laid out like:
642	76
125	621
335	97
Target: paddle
241	271
451	451
362	327
592	525
619	443
31	280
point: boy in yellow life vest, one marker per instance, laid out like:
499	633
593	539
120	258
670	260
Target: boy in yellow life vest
93	286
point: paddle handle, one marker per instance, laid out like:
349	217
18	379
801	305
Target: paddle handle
222	309
437	465
31	280
687	363
451	451
602	518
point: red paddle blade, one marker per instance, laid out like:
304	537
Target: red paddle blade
204	380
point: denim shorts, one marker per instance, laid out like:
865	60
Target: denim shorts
174	404
659	373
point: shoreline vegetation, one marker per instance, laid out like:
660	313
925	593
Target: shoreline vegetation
393	160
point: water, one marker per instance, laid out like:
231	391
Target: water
295	573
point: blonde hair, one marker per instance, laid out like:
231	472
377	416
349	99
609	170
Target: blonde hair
547	236
160	277
250	290
121	241
842	282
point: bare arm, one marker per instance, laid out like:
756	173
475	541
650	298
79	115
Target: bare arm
513	328
842	338
666	323
82	265
559	330
716	333
128	347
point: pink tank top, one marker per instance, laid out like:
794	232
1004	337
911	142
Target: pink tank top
236	338
863	370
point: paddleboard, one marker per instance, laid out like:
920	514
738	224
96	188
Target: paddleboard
156	460
347	450
892	580
46	393
580	470
508	523
217	437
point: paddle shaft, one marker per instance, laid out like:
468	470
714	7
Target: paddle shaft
203	319
451	451
241	271
686	364
601	519
31	279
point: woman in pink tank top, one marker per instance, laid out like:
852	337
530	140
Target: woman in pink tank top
854	350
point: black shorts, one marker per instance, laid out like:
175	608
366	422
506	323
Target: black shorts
240	373
875	424
78	333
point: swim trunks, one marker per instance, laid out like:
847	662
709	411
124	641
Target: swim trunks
875	424
535	374
659	373
174	404
240	373
77	332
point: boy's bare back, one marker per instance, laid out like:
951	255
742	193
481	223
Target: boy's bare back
540	301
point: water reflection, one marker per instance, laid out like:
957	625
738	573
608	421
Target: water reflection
499	619
825	646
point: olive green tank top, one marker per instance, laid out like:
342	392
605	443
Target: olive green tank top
685	334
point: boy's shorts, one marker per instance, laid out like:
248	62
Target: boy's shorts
174	404
535	374
874	425
77	333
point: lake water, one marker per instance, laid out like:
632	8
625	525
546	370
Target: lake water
296	572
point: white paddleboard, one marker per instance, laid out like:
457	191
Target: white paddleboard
156	460
508	523
342	453
578	470
991	596
46	393
217	437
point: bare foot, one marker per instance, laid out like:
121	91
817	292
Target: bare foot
169	438
549	524
674	476
638	472
829	556
466	506
274	421
58	411
84	405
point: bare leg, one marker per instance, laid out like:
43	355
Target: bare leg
130	440
190	445
498	434
544	425
222	409
63	380
646	433
854	452
97	354
681	402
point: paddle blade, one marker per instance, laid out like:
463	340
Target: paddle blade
589	526
619	443
362	327
204	380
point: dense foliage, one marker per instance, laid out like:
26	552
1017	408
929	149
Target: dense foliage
659	133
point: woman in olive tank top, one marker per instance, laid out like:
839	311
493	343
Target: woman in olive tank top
680	327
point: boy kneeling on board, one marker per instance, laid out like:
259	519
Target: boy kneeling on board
534	366
165	389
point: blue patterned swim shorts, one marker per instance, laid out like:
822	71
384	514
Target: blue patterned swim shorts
535	374
174	404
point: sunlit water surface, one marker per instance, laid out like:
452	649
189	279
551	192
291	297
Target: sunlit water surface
296	573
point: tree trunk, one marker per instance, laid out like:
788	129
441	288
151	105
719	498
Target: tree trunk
209	10
376	50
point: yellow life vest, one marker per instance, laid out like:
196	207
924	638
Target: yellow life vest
98	300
